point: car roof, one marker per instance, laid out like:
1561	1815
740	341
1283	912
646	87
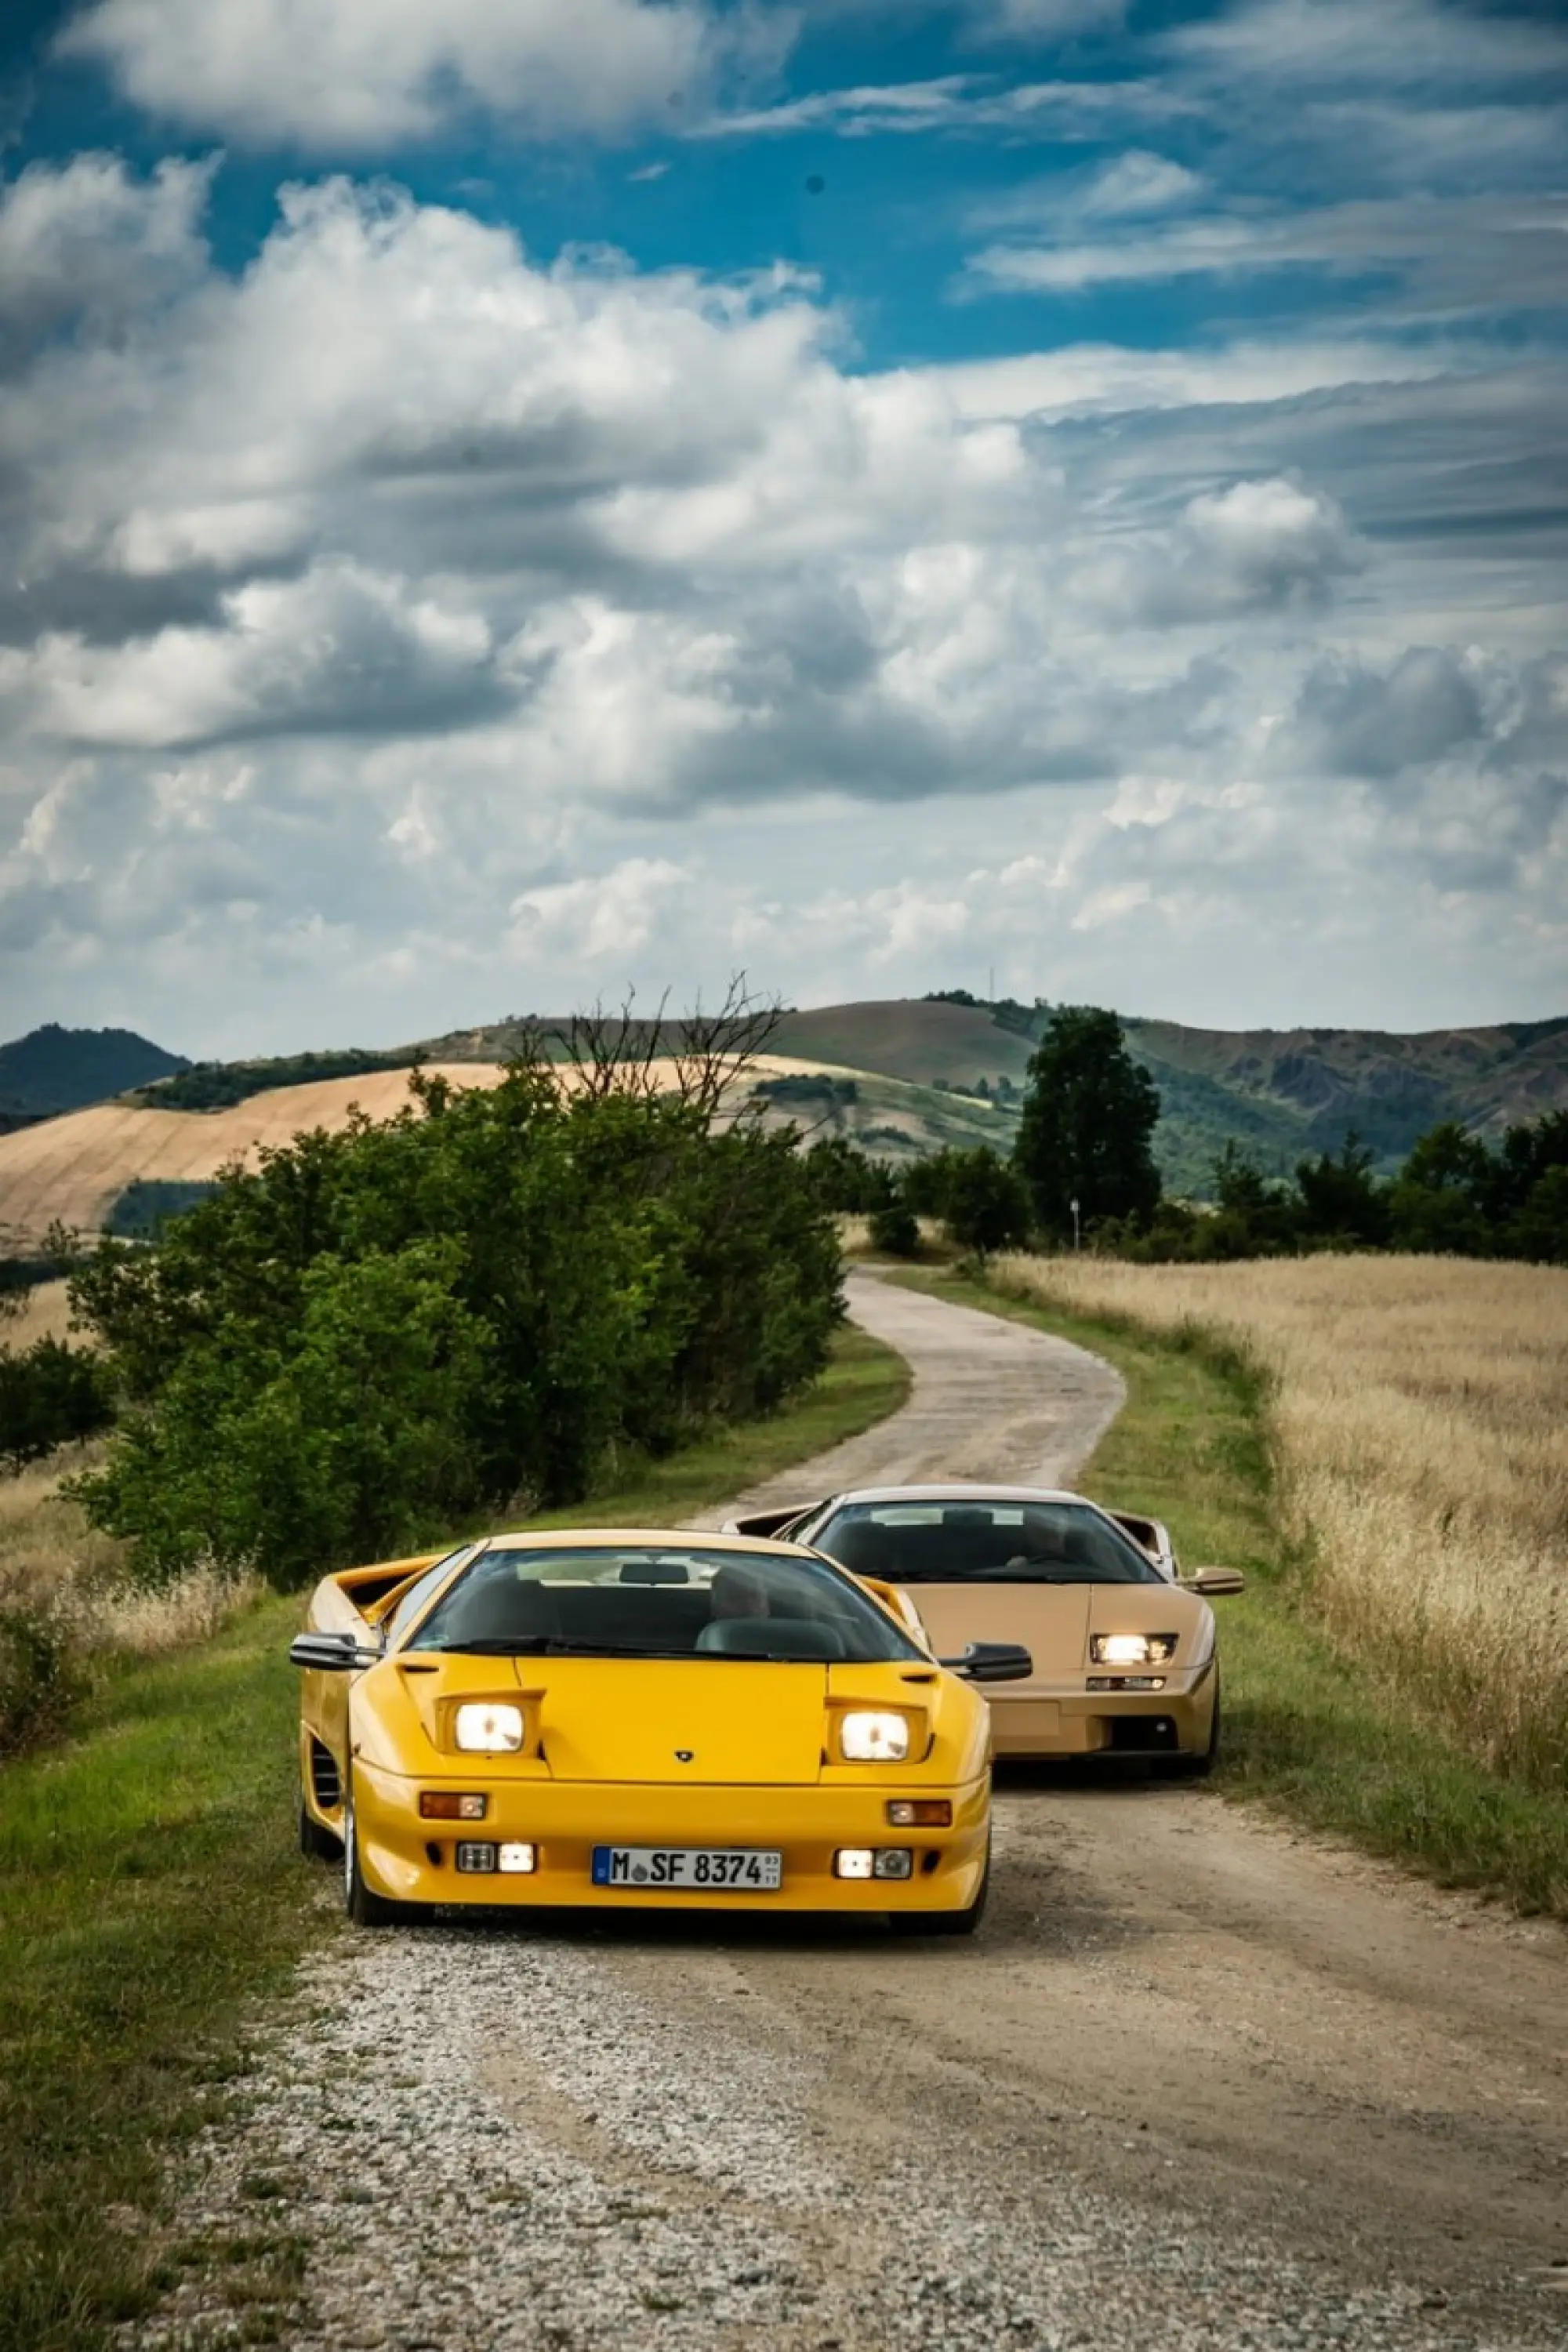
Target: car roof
957	1492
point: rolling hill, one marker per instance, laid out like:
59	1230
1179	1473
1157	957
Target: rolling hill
899	1077
53	1070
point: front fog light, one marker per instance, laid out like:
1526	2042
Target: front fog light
853	1861
1132	1649
515	1858
477	1858
865	1737
894	1862
489	1730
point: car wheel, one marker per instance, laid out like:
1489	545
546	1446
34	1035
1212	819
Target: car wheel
946	1923
1198	1768
317	1842
363	1906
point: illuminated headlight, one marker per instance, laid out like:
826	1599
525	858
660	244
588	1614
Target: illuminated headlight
516	1858
489	1730
865	1737
1132	1649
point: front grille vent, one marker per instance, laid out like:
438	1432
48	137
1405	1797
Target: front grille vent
326	1781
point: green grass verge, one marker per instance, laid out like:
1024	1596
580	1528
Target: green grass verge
149	1892
1307	1732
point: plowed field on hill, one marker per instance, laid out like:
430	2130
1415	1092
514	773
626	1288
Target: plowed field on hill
75	1168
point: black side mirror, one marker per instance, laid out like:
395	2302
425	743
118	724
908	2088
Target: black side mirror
330	1654
992	1661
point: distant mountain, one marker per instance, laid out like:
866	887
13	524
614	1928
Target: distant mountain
53	1070
960	1063
1280	1093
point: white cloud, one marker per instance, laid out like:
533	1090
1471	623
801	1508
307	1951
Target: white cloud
1067	111
403	628
349	75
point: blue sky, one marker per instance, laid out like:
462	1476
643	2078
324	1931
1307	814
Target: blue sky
511	498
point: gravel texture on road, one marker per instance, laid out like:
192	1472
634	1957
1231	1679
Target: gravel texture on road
1198	2083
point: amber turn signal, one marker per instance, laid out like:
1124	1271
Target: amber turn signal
446	1805
919	1812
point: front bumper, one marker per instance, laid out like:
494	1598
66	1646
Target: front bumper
411	1860
1066	1720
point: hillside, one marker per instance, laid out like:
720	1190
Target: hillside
53	1070
79	1168
900	1078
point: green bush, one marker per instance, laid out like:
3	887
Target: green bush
894	1229
382	1333
49	1395
41	1675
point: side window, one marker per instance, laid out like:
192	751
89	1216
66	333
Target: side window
419	1593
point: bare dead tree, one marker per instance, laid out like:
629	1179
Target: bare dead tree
696	1058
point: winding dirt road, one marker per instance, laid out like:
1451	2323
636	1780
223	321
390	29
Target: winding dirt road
1198	2083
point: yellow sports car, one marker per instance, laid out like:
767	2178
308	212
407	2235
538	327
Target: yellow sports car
624	1718
1124	1643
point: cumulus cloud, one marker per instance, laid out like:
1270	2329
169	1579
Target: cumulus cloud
361	74
381	611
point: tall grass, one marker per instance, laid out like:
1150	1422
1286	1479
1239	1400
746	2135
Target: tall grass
1418	1414
68	1606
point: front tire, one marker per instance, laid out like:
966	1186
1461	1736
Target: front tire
1198	1768
946	1923
362	1905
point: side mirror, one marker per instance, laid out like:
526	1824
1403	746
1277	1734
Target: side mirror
992	1661
1212	1582
330	1654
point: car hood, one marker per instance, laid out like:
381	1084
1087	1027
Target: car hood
1053	1622
734	1721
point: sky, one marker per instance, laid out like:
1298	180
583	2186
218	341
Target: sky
502	501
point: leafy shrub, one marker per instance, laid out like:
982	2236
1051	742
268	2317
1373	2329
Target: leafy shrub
49	1395
894	1229
384	1332
41	1675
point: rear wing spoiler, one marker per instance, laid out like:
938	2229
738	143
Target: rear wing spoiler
356	1597
1151	1536
767	1523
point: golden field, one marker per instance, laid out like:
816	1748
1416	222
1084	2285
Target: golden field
1418	1414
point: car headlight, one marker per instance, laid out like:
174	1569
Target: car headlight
1132	1649
489	1729
868	1737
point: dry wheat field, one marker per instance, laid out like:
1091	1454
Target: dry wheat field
1419	1419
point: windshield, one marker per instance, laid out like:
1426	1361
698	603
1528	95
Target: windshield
983	1543
635	1601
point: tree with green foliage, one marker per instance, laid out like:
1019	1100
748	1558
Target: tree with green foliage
1088	1116
1342	1199
50	1395
379	1335
845	1178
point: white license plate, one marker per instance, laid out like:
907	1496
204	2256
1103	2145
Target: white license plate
712	1868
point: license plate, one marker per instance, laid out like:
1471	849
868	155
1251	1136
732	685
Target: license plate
742	1868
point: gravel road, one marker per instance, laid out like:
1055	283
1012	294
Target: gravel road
1198	2083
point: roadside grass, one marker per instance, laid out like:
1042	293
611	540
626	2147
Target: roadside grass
150	1892
1306	1733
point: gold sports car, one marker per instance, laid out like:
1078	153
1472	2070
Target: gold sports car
620	1718
1124	1643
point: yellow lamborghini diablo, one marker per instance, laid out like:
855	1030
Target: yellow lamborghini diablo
622	1719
